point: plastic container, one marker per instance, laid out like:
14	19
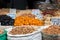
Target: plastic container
32	36
3	36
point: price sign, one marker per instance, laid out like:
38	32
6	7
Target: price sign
12	13
37	13
55	20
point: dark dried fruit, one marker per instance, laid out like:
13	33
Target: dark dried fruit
51	12
6	20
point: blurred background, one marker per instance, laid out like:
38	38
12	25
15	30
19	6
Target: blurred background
23	4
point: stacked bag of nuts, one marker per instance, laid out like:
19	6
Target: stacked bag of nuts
51	33
24	33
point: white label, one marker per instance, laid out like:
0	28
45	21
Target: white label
13	11
55	21
37	13
12	15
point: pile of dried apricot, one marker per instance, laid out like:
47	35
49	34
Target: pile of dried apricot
25	20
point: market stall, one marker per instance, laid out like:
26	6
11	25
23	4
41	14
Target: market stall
42	23
33	24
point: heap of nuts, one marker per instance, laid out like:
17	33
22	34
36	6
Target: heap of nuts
49	11
1	31
4	11
25	20
22	30
29	15
24	13
54	29
57	13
